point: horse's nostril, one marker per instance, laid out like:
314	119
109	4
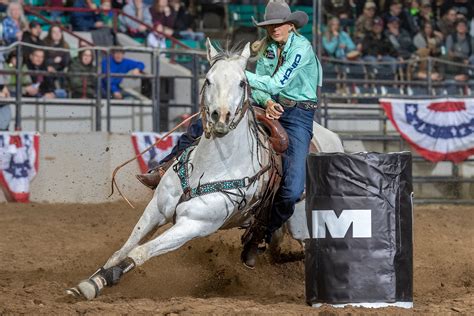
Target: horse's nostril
215	115
227	117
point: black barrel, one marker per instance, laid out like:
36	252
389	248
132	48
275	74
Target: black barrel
360	216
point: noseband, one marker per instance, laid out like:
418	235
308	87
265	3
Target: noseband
240	112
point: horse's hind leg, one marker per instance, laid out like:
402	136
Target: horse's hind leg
150	219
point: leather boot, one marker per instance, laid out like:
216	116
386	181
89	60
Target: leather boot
153	177
249	254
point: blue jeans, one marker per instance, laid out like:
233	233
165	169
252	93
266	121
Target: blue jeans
194	131
298	124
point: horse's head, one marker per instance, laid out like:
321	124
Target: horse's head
225	90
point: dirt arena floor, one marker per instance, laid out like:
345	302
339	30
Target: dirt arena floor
46	248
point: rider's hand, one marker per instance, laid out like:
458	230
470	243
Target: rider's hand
273	110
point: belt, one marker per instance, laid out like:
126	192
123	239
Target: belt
305	105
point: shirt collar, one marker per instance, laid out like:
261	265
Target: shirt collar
288	43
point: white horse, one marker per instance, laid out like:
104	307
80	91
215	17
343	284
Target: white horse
227	152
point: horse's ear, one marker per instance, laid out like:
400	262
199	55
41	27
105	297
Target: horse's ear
245	55
246	52
211	51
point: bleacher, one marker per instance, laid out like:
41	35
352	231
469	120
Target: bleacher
340	78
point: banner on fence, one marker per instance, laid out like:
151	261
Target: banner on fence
150	159
440	129
19	159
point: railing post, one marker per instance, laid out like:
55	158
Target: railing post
115	21
156	92
108	90
430	82
19	80
98	104
195	84
325	111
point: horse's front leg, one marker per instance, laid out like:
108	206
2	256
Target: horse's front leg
150	219
158	212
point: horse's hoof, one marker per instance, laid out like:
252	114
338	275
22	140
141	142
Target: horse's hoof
88	289
73	291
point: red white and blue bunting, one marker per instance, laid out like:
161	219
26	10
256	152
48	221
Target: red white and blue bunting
151	158
19	160
440	129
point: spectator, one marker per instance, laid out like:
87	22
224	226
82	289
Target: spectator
413	16
337	43
365	22
426	13
85	21
342	9
14	24
428	44
184	22
5	112
118	4
161	13
459	43
462	7
156	39
31	37
3	7
447	23
119	65
56	60
83	86
53	14
11	64
427	38
141	12
42	86
396	10
400	39
460	50
376	47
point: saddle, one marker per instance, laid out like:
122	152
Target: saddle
277	135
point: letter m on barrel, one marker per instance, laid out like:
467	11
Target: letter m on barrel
338	226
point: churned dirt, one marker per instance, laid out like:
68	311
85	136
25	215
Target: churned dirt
46	248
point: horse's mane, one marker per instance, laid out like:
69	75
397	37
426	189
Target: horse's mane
227	54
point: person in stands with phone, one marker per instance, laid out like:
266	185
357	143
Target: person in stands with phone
337	43
42	85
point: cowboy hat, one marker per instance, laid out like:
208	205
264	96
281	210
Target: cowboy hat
279	12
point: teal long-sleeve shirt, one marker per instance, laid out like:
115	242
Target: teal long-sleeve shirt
332	46
297	78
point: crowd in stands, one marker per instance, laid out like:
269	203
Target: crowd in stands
392	31
54	55
401	31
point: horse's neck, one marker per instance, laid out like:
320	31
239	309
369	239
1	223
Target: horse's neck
236	148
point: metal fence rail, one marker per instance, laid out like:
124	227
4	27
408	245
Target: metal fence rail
103	96
334	107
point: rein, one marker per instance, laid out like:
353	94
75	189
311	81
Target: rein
114	182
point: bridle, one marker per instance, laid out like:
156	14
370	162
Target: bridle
239	112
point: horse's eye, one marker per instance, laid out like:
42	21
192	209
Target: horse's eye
242	83
208	82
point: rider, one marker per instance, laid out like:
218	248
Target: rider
285	84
